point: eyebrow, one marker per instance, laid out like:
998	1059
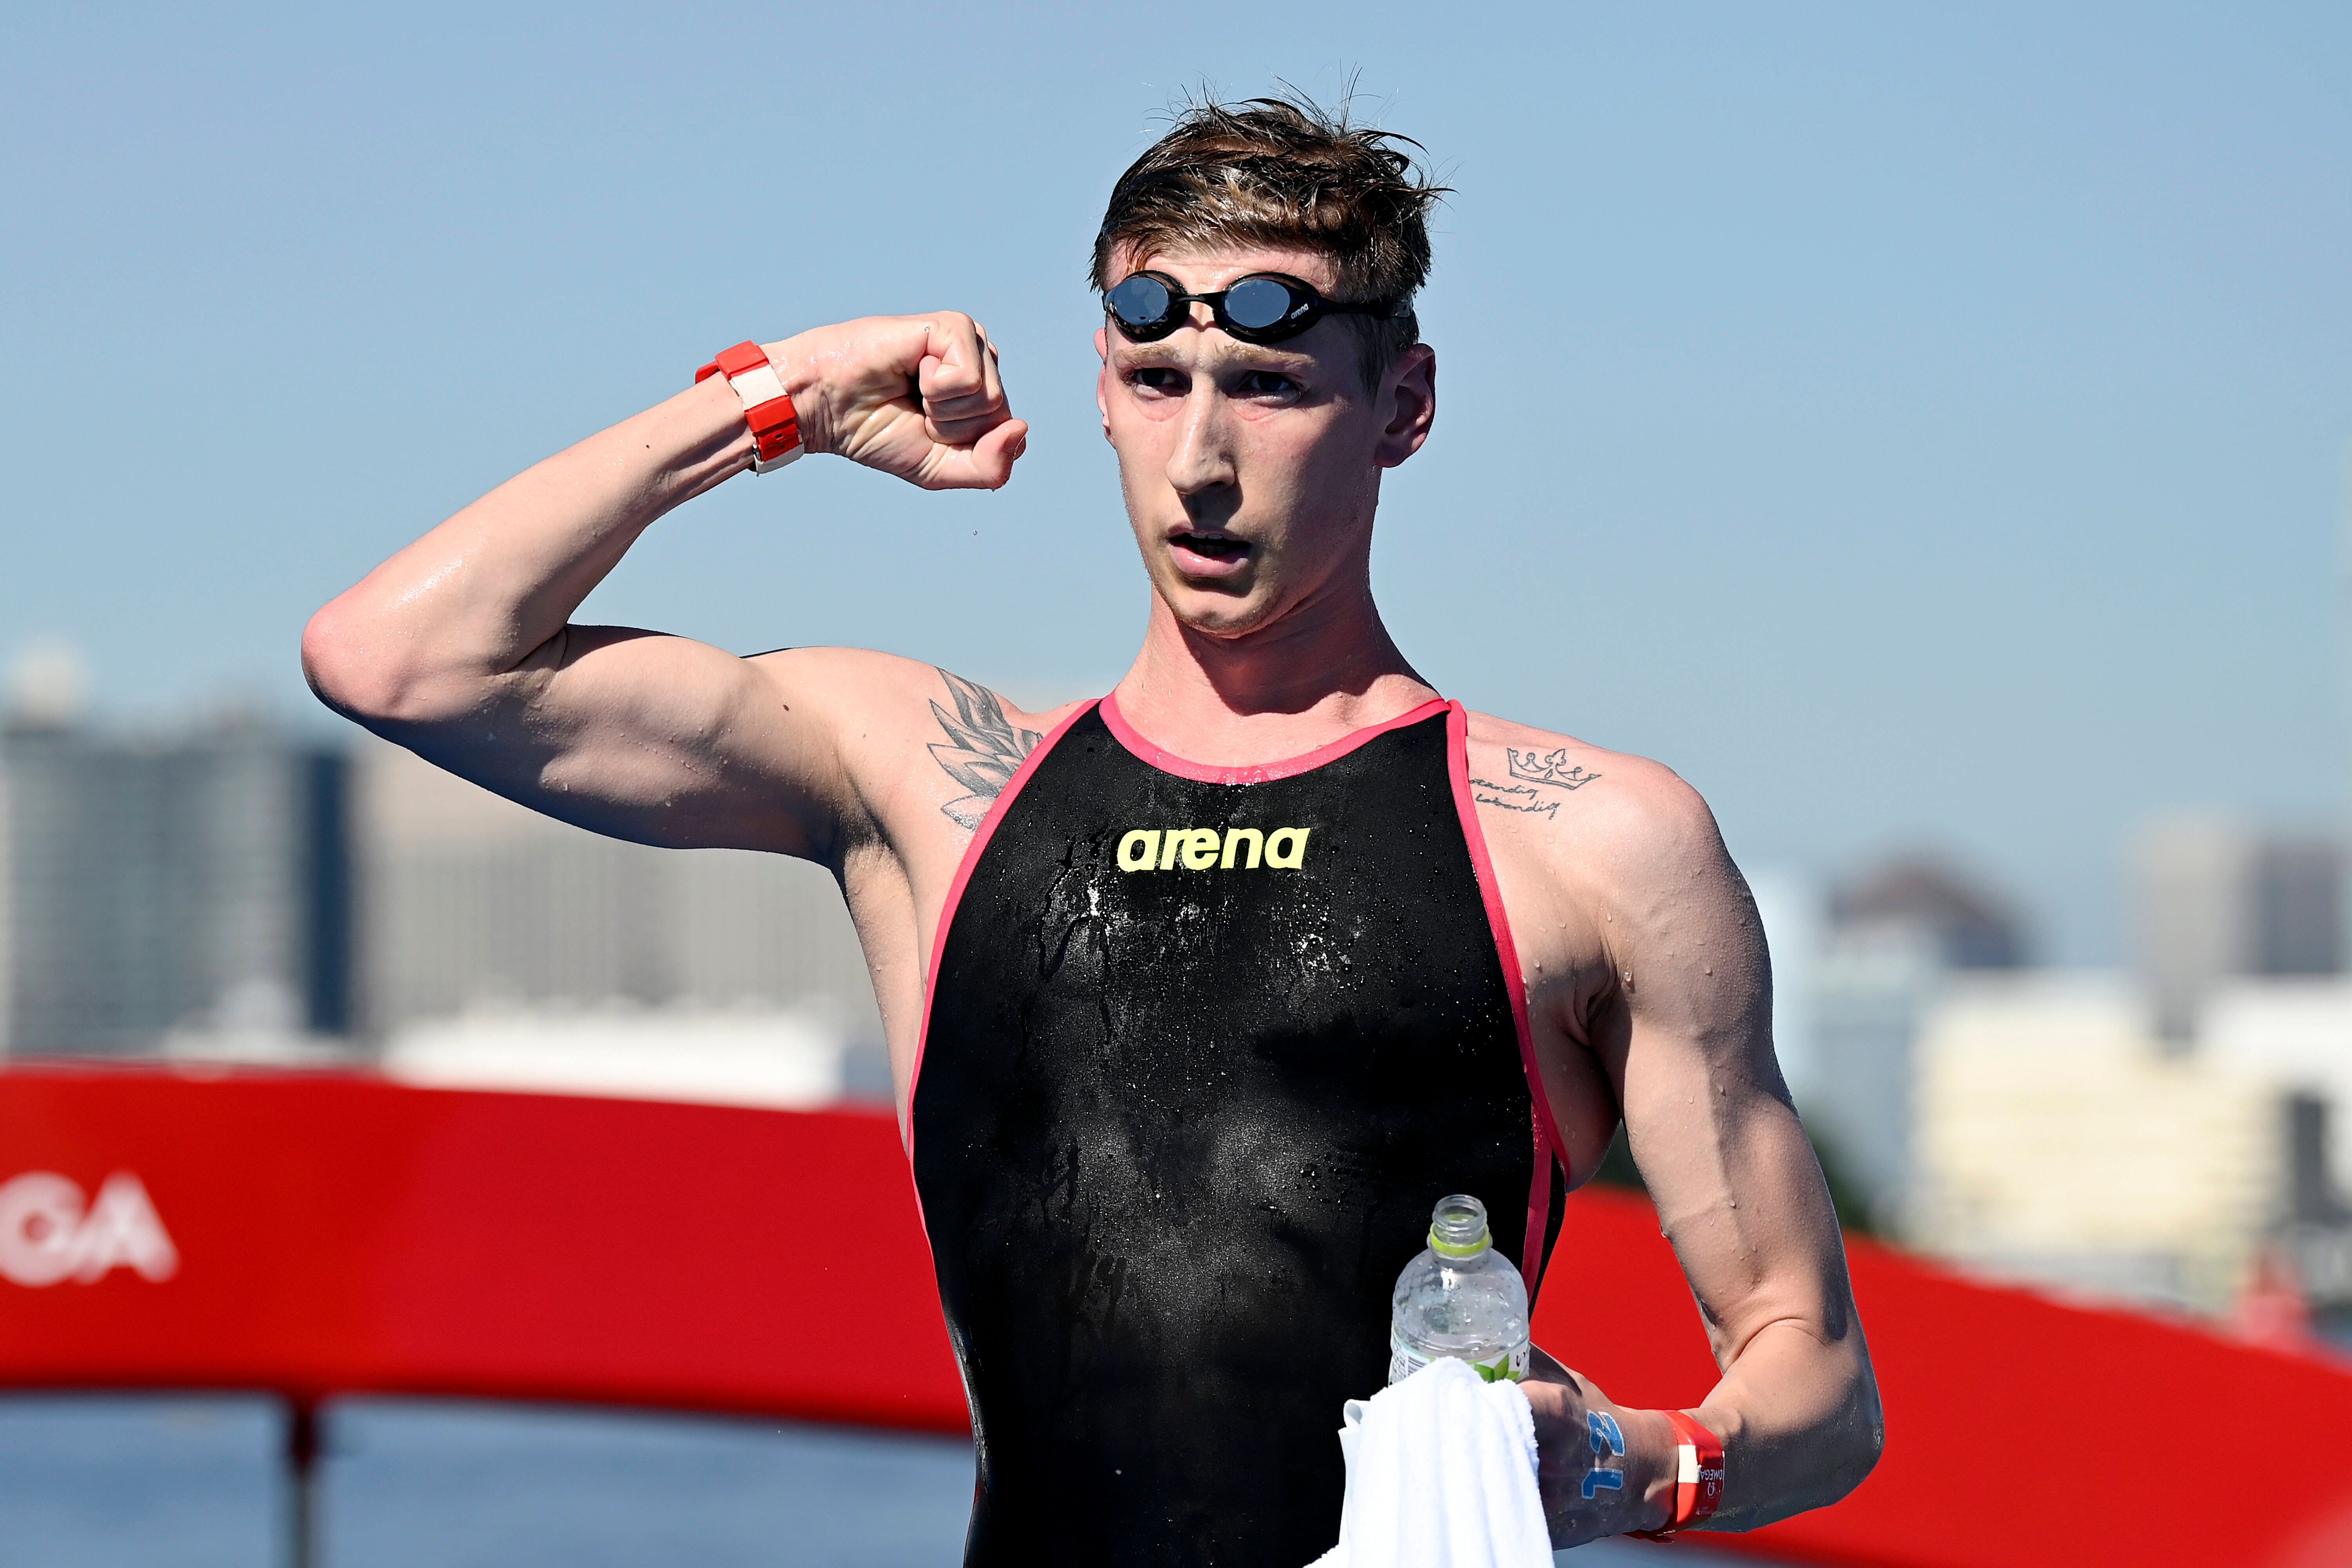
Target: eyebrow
1276	360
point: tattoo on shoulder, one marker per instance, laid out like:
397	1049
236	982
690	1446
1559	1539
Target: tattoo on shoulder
1550	769
1511	797
982	750
1528	772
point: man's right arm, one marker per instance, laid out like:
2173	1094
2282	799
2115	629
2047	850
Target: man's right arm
461	647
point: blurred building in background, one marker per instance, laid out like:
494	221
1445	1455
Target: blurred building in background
158	891
2062	1140
471	900
2163	1132
2295	1032
232	890
1929	900
2242	953
503	947
1892	936
2217	899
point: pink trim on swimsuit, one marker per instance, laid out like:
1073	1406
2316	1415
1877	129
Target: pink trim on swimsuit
955	896
1549	1143
1253	772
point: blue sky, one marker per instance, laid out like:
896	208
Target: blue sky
1915	425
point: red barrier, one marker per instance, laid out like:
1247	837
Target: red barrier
334	1234
342	1234
2021	1430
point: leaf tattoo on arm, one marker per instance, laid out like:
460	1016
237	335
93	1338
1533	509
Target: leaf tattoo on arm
983	750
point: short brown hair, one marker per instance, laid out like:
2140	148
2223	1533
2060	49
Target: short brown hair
1281	172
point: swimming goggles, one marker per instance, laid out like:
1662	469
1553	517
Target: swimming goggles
1263	308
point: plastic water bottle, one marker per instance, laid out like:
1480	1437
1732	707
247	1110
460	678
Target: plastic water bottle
1459	1299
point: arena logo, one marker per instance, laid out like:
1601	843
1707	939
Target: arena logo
1199	848
48	1236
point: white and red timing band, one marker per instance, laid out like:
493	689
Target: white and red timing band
767	407
1698	1476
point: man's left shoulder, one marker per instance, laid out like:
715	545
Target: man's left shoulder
1553	793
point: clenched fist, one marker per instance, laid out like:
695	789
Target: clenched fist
918	396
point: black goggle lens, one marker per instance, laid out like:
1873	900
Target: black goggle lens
1258	303
1145	307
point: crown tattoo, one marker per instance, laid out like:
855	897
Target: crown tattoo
1551	770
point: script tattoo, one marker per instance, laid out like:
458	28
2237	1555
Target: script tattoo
1511	797
982	750
1551	770
1530	770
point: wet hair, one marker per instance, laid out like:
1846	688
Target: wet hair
1283	173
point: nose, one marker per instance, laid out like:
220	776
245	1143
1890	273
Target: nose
1202	459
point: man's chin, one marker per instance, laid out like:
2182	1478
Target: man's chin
1217	610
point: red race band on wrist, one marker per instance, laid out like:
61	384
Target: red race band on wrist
767	407
1698	1476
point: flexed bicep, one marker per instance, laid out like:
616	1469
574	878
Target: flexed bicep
661	740
461	646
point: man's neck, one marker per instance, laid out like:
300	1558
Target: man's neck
1310	678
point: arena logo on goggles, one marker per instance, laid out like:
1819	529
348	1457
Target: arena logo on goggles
46	1235
1204	849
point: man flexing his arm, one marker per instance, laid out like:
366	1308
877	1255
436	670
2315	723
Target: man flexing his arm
1199	995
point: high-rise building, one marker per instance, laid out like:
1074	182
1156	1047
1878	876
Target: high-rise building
2295	1029
1898	931
2217	898
1871	987
2059	1139
1963	923
158	886
471	902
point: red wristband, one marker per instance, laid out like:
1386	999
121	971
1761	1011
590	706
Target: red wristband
1698	1478
767	407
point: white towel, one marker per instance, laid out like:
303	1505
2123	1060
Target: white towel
1440	1474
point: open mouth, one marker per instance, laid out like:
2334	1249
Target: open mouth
1211	546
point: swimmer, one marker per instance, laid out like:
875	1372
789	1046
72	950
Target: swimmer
1199	995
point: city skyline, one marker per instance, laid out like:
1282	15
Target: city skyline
1935	435
1924	430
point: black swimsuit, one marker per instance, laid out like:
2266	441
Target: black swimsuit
1203	1047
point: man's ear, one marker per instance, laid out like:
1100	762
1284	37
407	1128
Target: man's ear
1409	399
1102	378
